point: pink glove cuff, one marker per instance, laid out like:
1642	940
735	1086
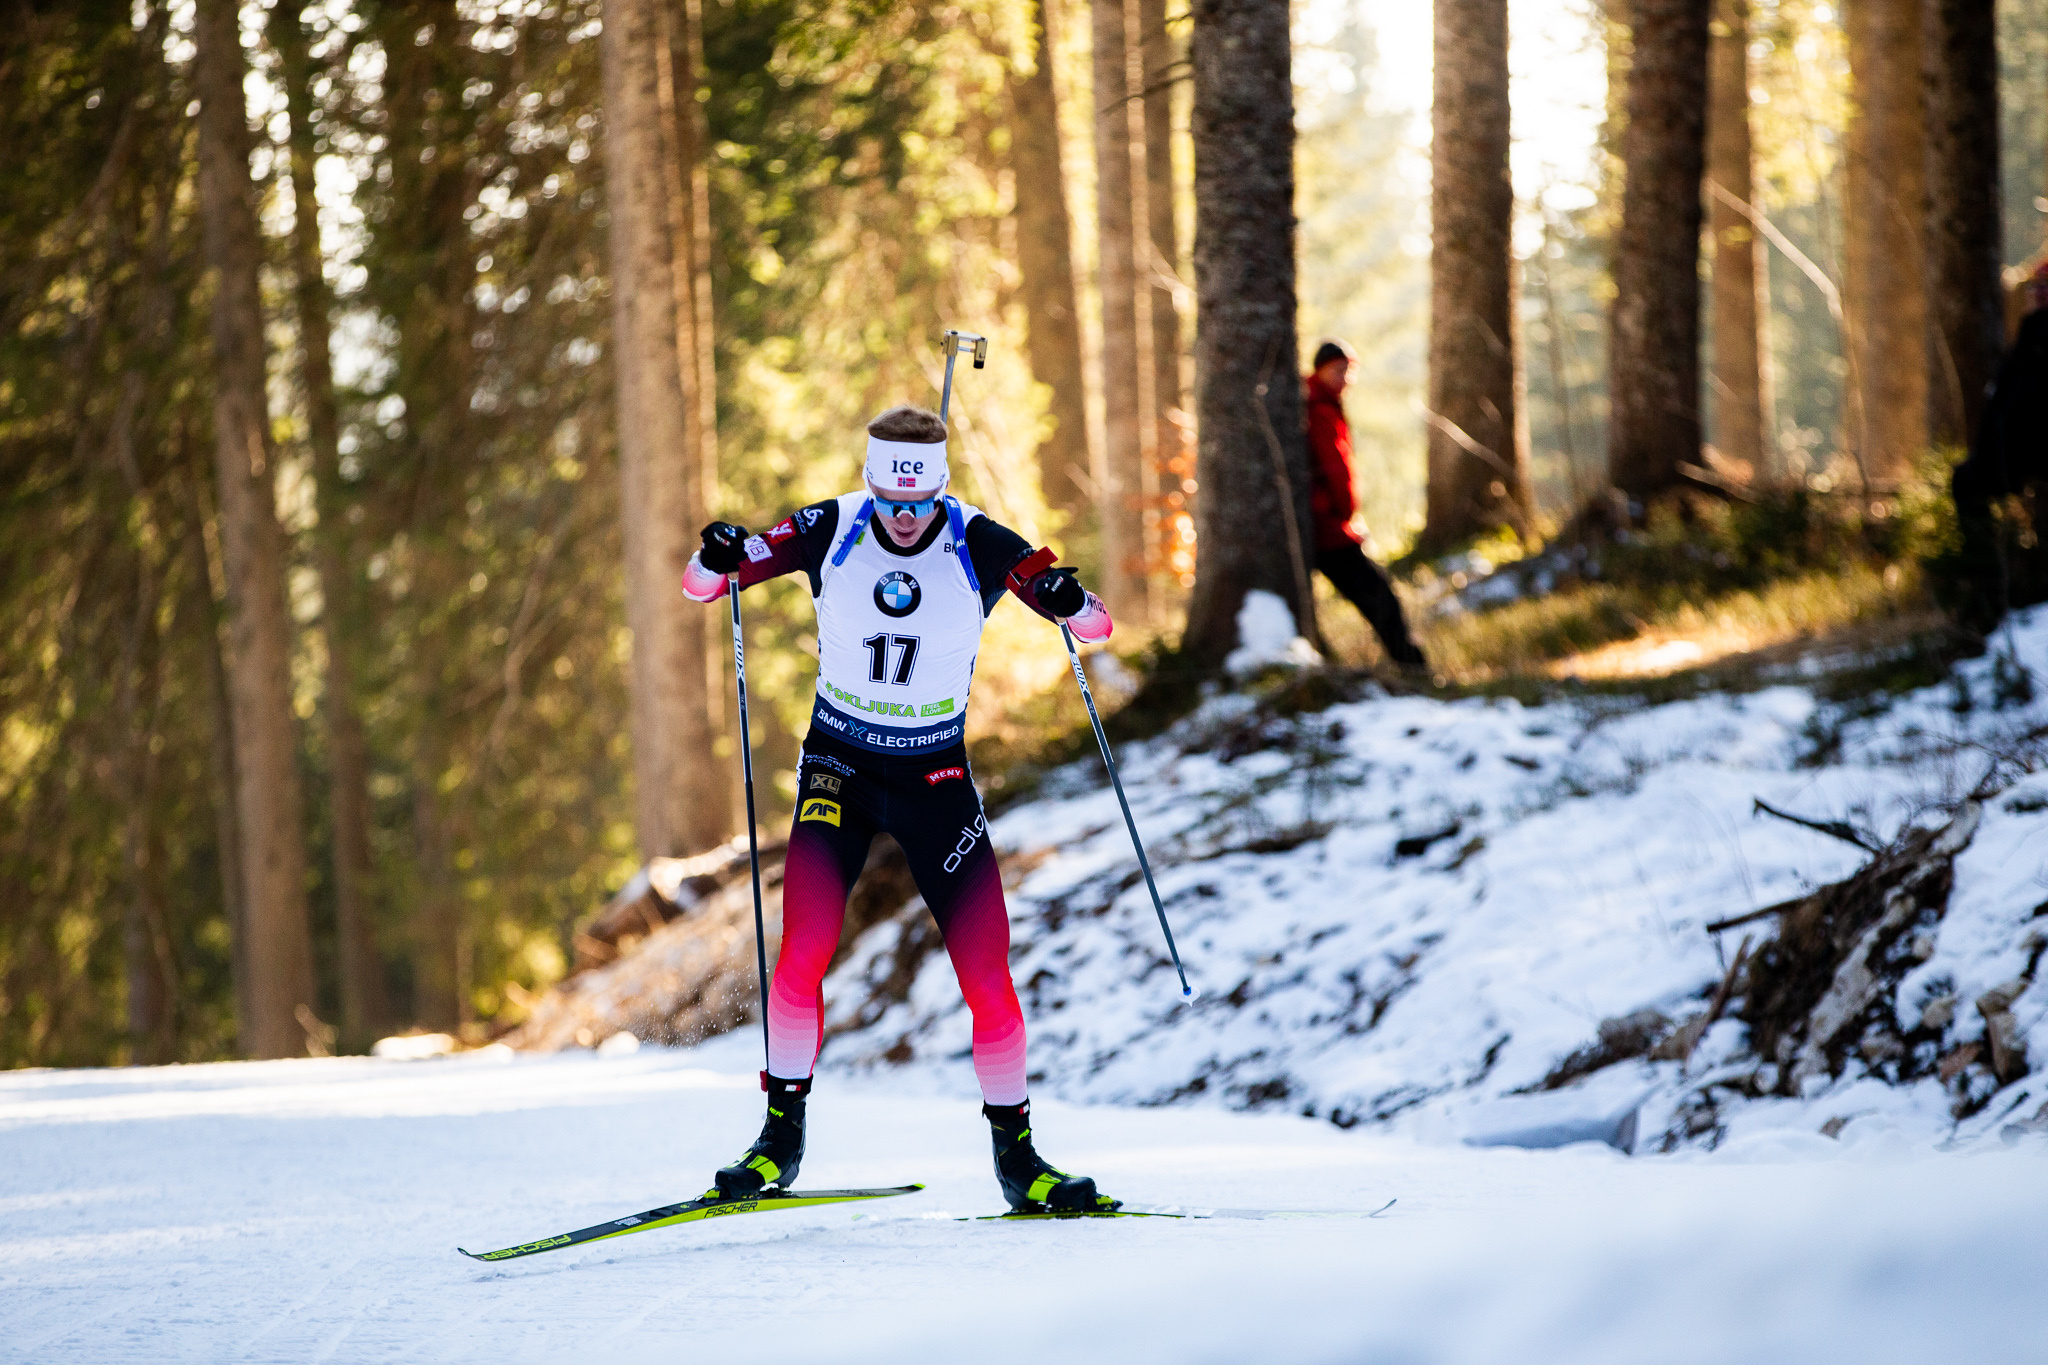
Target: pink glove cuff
702	585
1091	625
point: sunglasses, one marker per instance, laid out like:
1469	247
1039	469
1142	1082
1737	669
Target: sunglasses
890	508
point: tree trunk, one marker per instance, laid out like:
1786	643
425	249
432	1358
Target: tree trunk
677	83
280	953
145	947
1120	481
1478	470
1965	305
1884	299
1045	256
680	808
207	593
1172	459
1653	352
1243	125
1741	380
365	1006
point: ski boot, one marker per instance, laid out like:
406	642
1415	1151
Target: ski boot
776	1154
1030	1183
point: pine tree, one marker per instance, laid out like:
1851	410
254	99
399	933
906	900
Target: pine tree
1478	460
1252	463
1741	380
1045	262
278	954
1653	365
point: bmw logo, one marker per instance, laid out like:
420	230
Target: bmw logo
897	594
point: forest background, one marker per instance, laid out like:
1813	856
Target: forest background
434	338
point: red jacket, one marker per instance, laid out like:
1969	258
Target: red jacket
1330	499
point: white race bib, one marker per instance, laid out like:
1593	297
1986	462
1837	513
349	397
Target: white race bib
897	639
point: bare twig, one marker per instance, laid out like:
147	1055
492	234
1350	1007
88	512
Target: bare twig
1733	920
1720	1000
1834	829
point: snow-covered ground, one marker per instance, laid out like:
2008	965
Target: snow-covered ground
1402	915
1401	912
308	1211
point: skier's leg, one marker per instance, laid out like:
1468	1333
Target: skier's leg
945	838
1365	586
828	843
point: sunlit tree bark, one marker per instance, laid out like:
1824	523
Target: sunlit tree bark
1653	351
1046	263
1740	383
682	808
1120	480
1478	469
279	956
1253	456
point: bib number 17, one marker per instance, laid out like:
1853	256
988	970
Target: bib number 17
878	657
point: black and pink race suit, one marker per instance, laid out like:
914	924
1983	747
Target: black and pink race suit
898	631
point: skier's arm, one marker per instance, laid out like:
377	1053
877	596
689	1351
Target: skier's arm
799	541
1005	560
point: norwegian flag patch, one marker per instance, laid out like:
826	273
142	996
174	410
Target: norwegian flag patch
906	483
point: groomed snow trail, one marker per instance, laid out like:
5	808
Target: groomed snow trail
308	1211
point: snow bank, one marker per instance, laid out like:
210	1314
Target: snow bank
1403	911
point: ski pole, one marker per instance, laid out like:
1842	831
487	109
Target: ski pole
1108	761
739	669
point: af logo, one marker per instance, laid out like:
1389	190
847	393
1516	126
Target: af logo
818	808
897	593
824	782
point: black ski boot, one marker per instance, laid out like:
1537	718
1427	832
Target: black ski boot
1030	1183
776	1154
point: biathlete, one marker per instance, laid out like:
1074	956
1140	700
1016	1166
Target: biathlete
903	575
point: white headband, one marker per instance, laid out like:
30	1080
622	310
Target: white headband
913	468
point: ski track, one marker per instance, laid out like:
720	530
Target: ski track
1779	1246
248	1213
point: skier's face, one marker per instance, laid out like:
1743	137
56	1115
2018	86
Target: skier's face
903	528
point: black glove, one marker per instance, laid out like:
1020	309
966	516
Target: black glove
723	550
1059	592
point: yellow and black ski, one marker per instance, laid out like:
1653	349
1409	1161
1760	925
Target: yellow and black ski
693	1211
1175	1211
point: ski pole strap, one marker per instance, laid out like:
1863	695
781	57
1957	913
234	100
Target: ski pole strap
1030	567
959	529
860	523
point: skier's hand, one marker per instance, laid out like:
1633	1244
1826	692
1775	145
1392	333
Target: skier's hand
723	550
1059	592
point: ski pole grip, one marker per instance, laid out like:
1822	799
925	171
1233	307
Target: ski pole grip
1030	567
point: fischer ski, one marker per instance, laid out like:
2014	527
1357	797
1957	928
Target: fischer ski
1179	1211
691	1211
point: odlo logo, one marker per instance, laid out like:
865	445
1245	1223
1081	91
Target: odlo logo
970	835
897	593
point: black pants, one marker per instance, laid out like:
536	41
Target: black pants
1997	576
1364	586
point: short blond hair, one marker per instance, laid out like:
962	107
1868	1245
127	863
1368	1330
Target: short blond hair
906	423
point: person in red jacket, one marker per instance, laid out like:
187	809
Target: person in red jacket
1340	552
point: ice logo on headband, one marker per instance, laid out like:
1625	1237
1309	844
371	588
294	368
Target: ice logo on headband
913	466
